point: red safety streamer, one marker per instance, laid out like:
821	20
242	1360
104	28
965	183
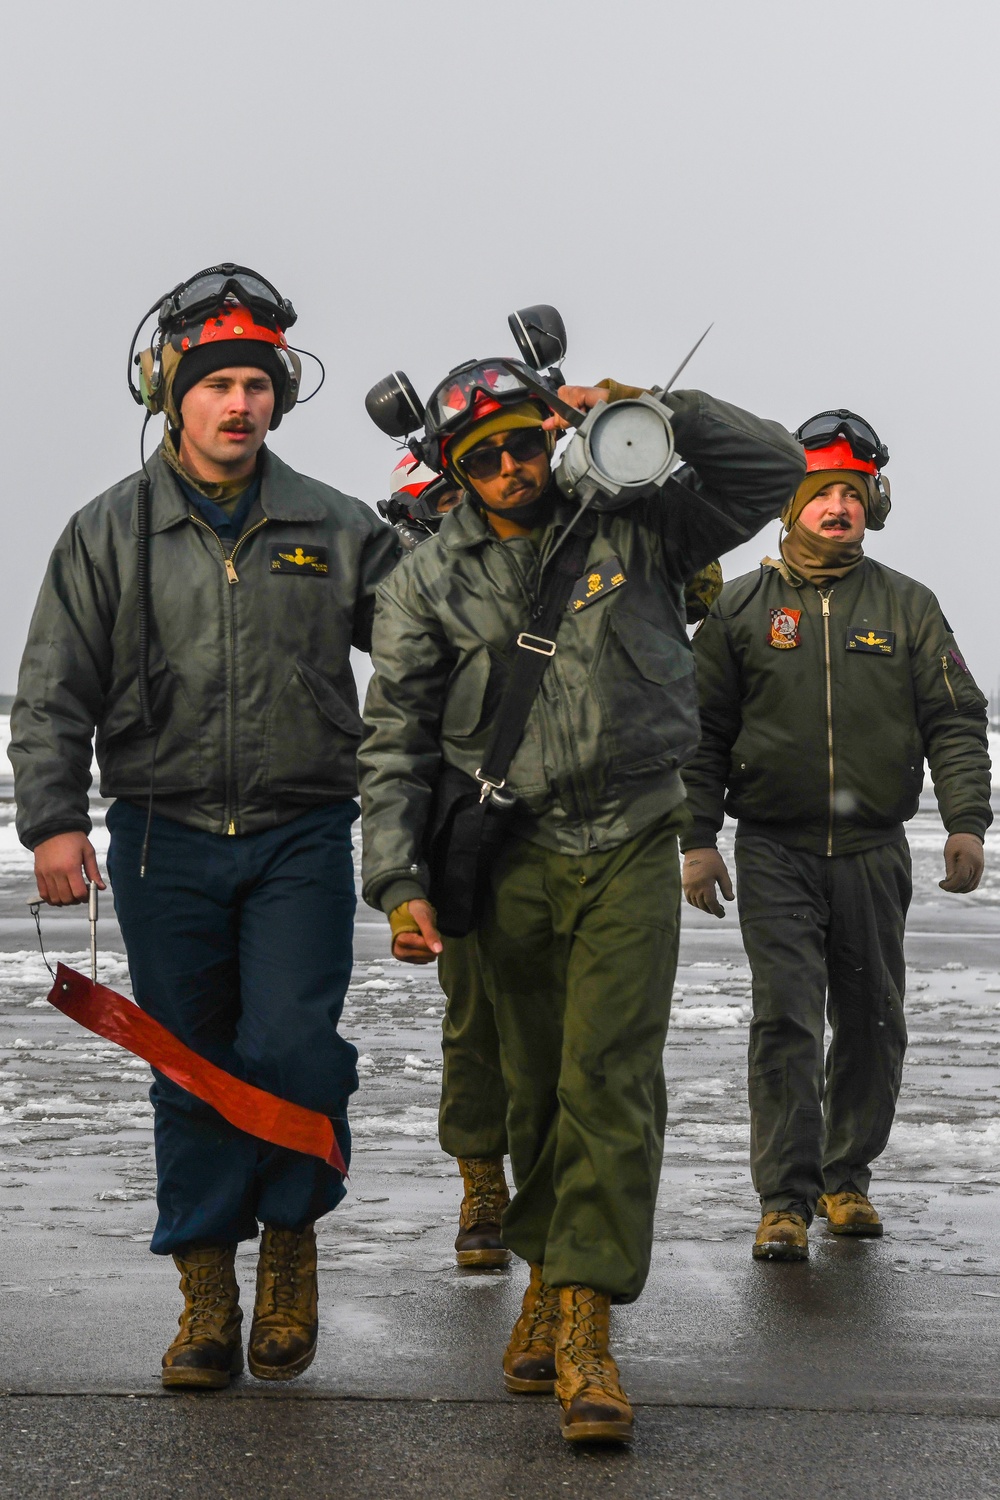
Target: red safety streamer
259	1113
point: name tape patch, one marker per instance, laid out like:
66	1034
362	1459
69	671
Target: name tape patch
601	579
876	642
299	562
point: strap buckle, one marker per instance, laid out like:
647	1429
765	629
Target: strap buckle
538	643
493	791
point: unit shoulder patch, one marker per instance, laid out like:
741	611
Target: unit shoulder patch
785	629
876	642
299	561
601	579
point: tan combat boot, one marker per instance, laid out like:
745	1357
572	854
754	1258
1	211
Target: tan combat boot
595	1408
529	1361
285	1313
208	1348
486	1197
849	1212
782	1235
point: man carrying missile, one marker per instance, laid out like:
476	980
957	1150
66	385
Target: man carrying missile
201	617
825	681
472	1115
588	871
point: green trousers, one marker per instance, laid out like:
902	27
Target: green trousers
472	1120
822	934
580	954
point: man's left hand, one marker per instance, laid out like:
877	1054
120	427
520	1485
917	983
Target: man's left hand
964	859
582	397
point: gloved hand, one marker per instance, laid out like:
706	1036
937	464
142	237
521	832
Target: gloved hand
702	871
964	859
415	938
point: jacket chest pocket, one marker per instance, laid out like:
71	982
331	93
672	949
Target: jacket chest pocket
645	683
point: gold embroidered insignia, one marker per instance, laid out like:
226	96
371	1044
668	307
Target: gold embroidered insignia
877	643
298	562
601	580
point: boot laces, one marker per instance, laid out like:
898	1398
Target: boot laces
285	1248
486	1194
584	1345
206	1289
543	1317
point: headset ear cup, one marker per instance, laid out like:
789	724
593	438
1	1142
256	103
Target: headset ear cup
293	387
150	383
880	504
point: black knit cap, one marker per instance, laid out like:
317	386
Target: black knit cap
205	359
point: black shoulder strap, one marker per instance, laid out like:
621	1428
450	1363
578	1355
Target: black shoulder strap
535	649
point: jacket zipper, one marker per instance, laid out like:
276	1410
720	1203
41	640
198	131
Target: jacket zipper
947	683
824	595
229	817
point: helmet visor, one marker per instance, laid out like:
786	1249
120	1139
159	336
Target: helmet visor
454	401
209	290
822	430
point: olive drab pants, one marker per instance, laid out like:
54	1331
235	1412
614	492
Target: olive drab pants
472	1121
822	934
580	953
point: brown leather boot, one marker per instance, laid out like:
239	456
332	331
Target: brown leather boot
208	1348
486	1197
529	1361
849	1212
595	1408
285	1313
782	1235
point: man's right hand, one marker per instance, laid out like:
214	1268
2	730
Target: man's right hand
422	946
703	870
63	866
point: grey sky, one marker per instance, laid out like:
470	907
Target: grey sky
820	180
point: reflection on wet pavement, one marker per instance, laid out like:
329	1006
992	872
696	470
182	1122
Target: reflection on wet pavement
76	1167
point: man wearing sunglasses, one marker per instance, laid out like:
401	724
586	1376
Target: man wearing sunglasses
825	682
201	618
578	940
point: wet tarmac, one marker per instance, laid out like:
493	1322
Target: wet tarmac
871	1370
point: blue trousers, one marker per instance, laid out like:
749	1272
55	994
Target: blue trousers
242	948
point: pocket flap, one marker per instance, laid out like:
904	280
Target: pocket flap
659	657
332	707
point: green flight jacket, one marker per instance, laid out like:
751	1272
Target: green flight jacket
819	707
251	683
616	714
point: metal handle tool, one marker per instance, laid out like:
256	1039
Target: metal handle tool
92	914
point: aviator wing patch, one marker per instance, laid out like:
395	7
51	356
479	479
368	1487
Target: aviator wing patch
877	642
299	561
602	578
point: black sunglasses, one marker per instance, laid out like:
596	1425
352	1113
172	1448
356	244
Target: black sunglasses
485	462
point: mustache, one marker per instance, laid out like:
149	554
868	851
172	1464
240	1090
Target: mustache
237	424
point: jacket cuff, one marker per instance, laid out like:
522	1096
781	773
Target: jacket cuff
618	392
398	891
967	824
32	837
699	836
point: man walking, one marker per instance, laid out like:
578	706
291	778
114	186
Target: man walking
825	681
201	618
591	870
472	1119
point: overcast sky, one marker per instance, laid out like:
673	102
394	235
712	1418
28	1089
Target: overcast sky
819	179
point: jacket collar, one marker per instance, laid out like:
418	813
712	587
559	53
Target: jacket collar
284	495
464	527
